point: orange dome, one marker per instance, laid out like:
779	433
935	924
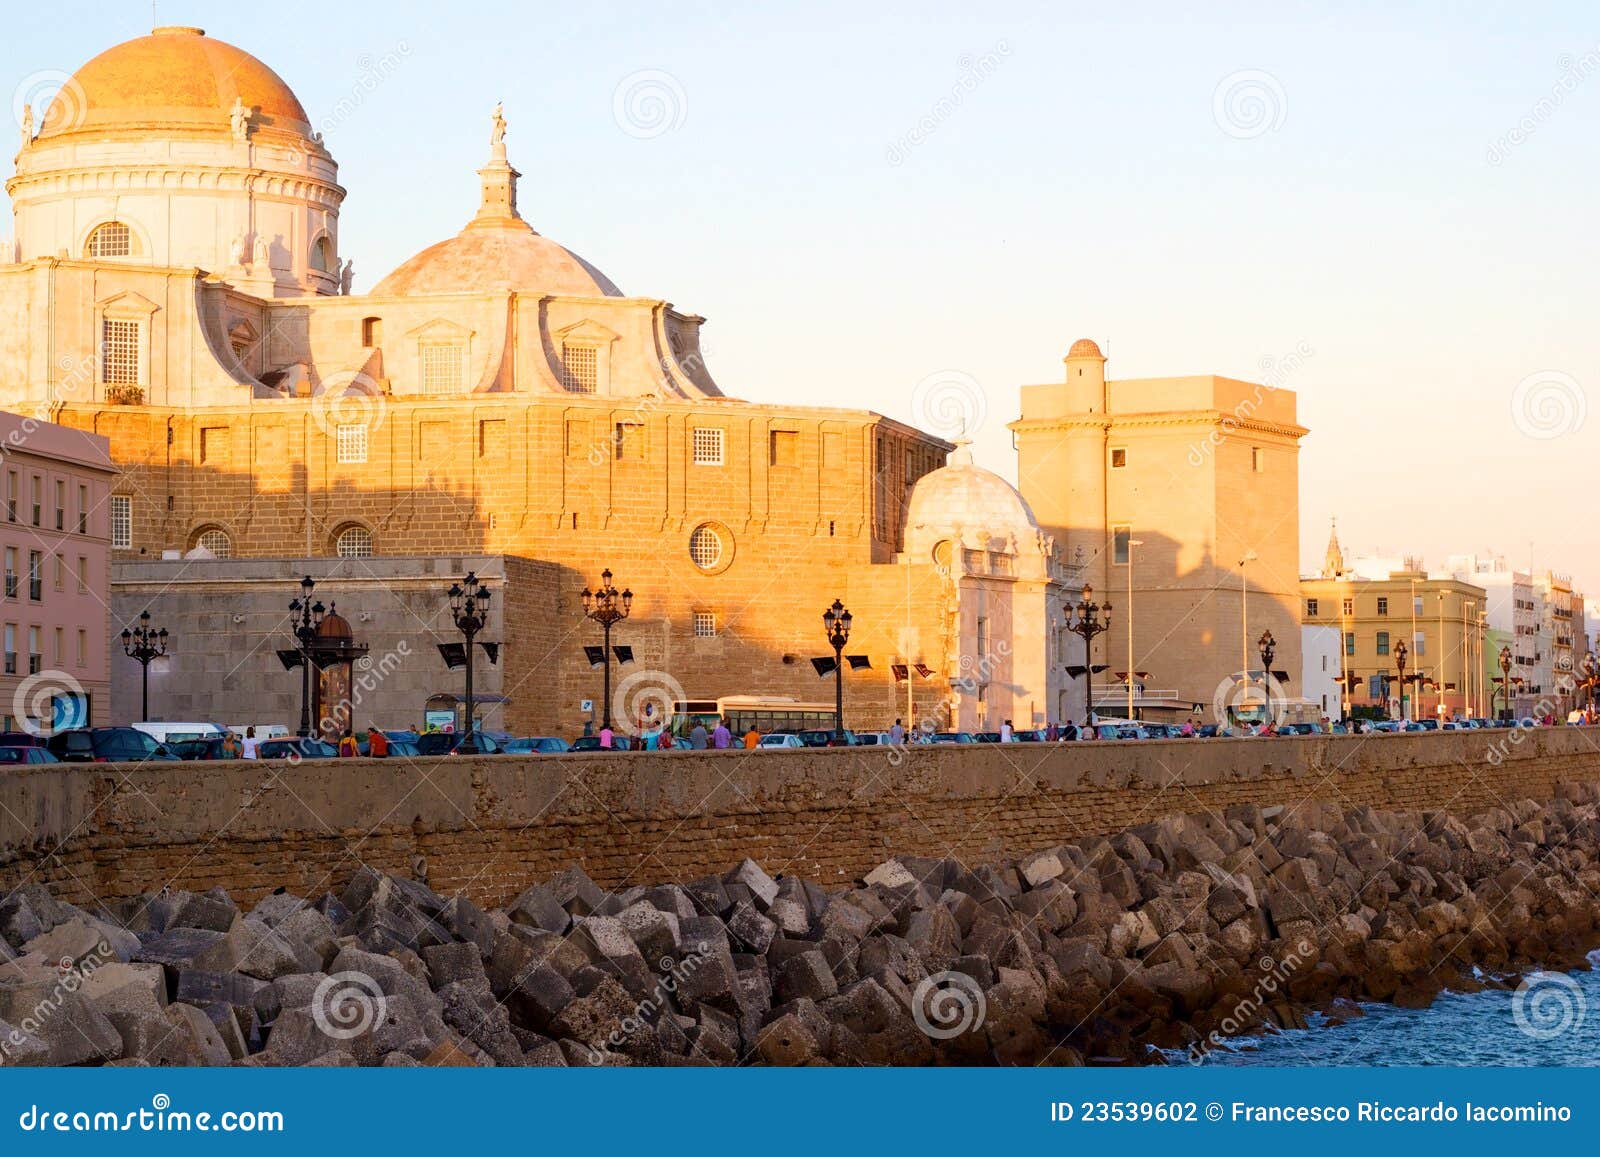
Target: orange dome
175	77
1084	348
506	256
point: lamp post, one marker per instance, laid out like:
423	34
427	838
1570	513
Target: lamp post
307	617
1267	646
836	626
143	644
1400	652
607	606
1590	666
1244	617
1505	682
1132	542
1087	623
469	606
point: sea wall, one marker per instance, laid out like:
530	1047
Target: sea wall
487	827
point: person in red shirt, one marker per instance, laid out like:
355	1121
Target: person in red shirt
377	743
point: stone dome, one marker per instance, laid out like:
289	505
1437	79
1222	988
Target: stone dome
1084	348
174	78
506	255
962	498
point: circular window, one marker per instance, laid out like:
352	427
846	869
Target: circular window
711	547
215	542
354	542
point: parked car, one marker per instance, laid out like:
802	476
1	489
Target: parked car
592	743
296	747
170	733
106	745
827	737
986	736
1035	736
1298	729
874	739
536	745
196	748
776	740
26	755
951	737
1160	730
21	739
448	742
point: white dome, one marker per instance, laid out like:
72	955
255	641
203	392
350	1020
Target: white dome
964	501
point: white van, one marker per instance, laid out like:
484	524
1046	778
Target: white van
176	732
263	730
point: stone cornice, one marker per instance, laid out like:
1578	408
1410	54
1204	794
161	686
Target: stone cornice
167	176
1071	423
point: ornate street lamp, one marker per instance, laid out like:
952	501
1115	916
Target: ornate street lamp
836	626
1505	681
143	644
469	607
309	618
1400	652
1589	665
1087	623
1267	646
608	607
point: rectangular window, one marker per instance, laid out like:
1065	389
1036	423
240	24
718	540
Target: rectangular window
1416	604
1375	687
36	499
1383	642
705	625
1311	608
11	496
1121	545
61	505
35	576
983	638
1258	460
580	368
708	446
353	444
1349	606
216	447
83	574
1419	644
11	572
442	368
122	521
58	643
11	648
83	510
1349	642
629	438
783	448
35	651
83	647
1383	605
1119	457
60	577
119	352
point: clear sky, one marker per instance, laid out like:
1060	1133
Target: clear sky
858	199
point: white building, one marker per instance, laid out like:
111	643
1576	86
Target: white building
1321	665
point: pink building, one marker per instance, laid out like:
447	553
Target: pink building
56	530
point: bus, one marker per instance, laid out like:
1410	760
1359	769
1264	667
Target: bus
766	713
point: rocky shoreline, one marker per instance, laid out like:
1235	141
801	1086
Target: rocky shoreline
1179	935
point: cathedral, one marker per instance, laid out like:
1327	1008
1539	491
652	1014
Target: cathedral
495	404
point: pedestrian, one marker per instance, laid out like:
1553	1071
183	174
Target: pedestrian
752	738
248	747
897	733
722	738
1187	730
651	739
1005	732
697	737
377	743
230	747
348	747
606	737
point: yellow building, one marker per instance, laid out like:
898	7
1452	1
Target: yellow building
1179	499
1438	623
178	286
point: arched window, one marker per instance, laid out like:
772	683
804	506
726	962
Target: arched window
216	542
371	332
354	542
322	255
113	239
